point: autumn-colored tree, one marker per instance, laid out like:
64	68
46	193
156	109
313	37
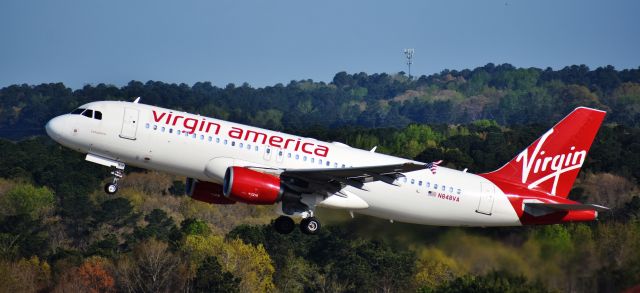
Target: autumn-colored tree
250	263
93	275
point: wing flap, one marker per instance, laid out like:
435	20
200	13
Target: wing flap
568	207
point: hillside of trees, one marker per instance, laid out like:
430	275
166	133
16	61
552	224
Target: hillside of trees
502	93
60	232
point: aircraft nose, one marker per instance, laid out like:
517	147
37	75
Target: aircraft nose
55	128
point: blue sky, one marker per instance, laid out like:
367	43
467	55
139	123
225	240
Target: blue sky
264	42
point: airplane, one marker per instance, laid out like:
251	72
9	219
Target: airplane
227	162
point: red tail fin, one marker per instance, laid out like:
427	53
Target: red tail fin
553	161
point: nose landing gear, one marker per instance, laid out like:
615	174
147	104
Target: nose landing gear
112	188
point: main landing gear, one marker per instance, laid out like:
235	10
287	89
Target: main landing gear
285	225
112	188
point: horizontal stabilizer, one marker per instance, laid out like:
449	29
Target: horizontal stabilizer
568	207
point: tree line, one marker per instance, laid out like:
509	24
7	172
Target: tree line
503	93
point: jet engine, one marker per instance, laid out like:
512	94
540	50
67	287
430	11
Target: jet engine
206	192
251	187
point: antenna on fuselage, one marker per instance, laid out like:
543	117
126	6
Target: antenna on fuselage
136	100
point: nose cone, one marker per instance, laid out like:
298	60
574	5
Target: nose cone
55	128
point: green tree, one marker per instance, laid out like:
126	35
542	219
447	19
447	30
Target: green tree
211	278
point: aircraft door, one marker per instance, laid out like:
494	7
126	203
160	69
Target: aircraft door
485	206
129	123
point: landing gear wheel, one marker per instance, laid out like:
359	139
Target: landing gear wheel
118	173
111	188
310	226
284	225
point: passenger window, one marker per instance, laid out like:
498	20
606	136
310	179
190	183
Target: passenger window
217	140
328	163
435	186
450	189
459	191
88	113
404	179
248	146
193	135
225	142
170	130
426	184
312	160
241	145
319	161
268	150
162	129
178	132
233	143
257	148
288	155
297	157
335	165
155	127
97	115
343	166
280	153
413	181
444	188
146	125
210	138
420	183
304	158
201	136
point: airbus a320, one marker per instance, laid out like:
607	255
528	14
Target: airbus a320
227	162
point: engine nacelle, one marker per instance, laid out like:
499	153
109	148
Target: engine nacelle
206	192
251	187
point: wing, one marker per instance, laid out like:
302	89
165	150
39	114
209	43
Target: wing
332	180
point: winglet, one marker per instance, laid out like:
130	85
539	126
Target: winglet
136	100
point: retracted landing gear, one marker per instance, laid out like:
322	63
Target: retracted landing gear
112	188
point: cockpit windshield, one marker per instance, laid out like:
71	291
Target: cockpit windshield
88	113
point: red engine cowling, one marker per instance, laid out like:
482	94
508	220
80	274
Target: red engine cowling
251	187
206	192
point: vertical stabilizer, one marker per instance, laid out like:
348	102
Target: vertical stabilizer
553	161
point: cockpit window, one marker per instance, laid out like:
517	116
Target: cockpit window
77	111
97	115
88	113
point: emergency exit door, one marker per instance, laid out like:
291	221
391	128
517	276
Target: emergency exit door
129	123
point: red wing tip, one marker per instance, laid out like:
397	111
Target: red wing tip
589	109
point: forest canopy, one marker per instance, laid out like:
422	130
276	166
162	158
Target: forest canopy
502	93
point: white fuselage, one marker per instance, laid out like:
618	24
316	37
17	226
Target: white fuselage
142	136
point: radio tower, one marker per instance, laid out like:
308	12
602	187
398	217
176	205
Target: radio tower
408	53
